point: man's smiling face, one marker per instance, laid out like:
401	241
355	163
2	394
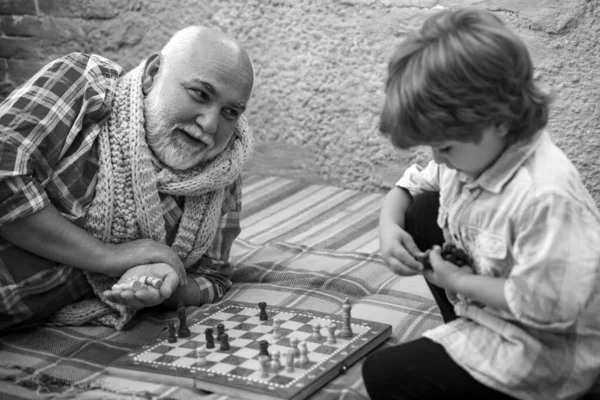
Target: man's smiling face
195	100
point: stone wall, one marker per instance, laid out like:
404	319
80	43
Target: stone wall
320	67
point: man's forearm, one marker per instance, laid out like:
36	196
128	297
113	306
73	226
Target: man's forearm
48	234
484	289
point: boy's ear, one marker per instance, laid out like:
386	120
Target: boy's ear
502	129
150	71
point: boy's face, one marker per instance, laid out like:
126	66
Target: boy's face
472	158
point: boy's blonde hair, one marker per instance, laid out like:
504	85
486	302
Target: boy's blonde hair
463	71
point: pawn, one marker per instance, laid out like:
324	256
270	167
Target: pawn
264	366
275	363
316	335
303	360
294	346
220	331
264	346
225	342
172	338
210	340
201	356
289	361
331	329
276	333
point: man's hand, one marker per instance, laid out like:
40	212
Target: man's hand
147	296
444	273
122	257
399	250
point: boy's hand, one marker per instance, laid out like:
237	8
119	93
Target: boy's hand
147	296
399	250
444	273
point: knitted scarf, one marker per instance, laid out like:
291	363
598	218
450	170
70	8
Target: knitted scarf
127	205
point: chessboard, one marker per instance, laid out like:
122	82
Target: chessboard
259	352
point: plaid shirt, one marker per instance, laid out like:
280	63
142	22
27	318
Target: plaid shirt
528	219
49	155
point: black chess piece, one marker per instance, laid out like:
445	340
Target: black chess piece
263	311
210	340
264	349
225	342
172	338
184	331
220	331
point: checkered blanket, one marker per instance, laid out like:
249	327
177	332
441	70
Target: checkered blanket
304	246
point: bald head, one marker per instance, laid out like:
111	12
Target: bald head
192	42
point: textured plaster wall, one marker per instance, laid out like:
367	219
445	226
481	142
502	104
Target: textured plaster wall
320	67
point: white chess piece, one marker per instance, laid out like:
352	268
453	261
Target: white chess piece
276	329
289	362
201	356
294	345
303	360
331	329
317	331
275	363
264	366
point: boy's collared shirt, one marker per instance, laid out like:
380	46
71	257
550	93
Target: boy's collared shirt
529	219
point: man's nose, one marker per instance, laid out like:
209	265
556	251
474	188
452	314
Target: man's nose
208	120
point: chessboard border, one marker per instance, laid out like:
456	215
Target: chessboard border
182	376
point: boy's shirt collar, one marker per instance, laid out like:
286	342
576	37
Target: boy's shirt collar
495	177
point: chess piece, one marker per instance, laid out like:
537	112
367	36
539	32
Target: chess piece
275	363
276	329
264	366
225	342
346	331
156	283
317	332
220	331
172	338
303	360
201	356
294	346
263	311
331	330
289	361
210	340
264	346
129	285
184	331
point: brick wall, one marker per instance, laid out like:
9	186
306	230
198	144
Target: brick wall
33	32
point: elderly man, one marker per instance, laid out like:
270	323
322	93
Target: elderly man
105	176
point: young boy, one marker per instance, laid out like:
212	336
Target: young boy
523	319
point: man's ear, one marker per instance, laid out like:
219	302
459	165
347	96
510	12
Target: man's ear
150	72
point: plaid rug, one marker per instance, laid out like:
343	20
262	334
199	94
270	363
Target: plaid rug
303	246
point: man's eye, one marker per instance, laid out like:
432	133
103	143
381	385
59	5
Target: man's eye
444	149
199	94
230	113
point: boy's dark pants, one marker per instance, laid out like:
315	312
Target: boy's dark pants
422	369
